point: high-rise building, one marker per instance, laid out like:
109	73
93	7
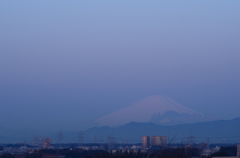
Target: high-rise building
238	150
46	142
158	141
145	142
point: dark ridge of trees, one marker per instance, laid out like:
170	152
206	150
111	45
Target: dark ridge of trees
219	154
79	153
175	153
226	151
230	150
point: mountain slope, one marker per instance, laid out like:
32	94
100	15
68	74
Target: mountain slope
156	109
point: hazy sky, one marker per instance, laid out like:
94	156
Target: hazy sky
65	63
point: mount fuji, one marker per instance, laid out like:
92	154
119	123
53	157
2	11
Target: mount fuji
157	109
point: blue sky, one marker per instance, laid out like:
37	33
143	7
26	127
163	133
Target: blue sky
65	63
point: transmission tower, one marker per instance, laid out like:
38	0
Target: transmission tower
208	142
111	142
60	138
127	141
191	140
101	141
36	141
80	138
95	140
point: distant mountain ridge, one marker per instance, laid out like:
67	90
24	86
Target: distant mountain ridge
221	131
157	109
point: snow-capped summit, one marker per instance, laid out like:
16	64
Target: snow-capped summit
157	109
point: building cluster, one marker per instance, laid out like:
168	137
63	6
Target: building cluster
148	143
153	141
46	143
206	152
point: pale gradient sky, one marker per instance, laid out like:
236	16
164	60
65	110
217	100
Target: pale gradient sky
64	63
